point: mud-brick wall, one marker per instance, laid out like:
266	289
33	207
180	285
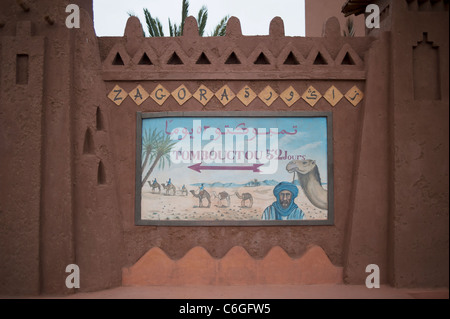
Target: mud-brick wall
68	151
318	62
420	127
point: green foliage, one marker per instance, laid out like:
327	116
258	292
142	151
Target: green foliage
156	147
202	18
350	28
149	141
163	148
155	28
184	14
221	28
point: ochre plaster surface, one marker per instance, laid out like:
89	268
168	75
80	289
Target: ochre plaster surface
237	267
67	173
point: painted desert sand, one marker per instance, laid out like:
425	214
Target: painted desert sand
160	206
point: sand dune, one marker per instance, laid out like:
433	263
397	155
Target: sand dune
155	206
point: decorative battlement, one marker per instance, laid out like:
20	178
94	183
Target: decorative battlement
237	267
234	56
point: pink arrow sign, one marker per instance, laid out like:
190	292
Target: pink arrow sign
198	167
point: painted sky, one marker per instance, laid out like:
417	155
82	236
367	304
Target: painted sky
297	138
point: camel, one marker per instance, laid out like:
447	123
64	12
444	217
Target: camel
223	196
244	198
201	195
155	185
168	188
309	178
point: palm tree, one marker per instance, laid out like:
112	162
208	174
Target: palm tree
350	28
221	28
156	147
149	141
155	28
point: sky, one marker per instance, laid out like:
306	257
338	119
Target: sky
110	16
295	136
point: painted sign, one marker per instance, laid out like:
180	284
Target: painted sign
234	169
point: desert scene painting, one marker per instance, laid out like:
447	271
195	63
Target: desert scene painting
186	207
234	169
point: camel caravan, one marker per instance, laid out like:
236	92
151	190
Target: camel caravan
308	179
169	188
300	196
223	198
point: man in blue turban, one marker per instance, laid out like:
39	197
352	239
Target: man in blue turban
284	208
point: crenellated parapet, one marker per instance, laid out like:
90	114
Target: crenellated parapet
233	56
294	70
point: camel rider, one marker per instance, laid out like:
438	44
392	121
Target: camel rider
169	181
202	187
284	208
154	181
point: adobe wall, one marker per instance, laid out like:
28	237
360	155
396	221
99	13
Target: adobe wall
419	124
318	12
67	189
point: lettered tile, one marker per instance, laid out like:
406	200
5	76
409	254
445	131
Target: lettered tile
139	95
311	96
117	95
354	95
246	95
290	96
181	94
160	94
268	95
225	95
333	95
203	94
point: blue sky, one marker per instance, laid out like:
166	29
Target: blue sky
110	16
296	136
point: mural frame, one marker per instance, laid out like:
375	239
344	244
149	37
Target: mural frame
141	116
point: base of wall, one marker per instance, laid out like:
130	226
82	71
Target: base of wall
237	267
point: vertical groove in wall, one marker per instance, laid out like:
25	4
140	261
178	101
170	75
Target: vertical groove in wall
391	155
73	142
88	142
42	176
99	121
426	70
22	69
101	174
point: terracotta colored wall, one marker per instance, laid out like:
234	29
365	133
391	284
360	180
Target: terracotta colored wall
68	153
319	11
420	128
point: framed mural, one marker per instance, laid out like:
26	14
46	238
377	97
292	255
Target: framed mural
234	168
